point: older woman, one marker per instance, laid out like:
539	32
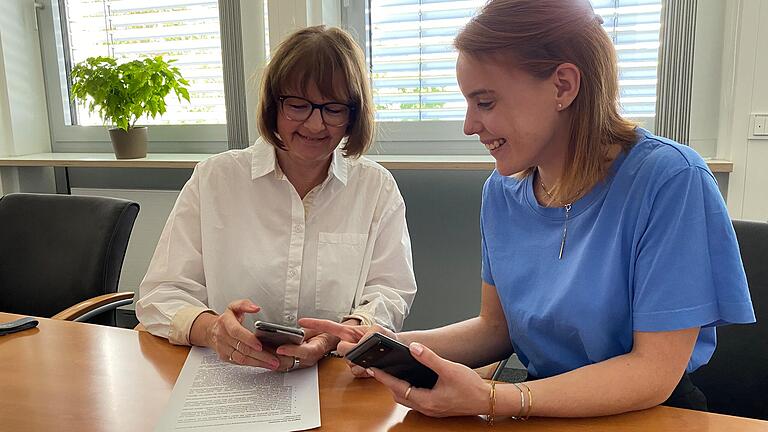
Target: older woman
297	225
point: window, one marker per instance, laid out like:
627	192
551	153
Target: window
634	26
184	30
412	58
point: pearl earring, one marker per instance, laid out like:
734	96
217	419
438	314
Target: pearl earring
559	106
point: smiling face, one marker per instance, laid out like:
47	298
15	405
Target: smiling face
515	115
309	142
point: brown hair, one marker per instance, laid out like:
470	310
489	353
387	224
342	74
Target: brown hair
326	57
539	35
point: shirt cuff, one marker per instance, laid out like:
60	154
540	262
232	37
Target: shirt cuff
181	324
365	318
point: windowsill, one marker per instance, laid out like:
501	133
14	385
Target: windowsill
189	160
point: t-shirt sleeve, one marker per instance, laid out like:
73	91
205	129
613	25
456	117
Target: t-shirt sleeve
485	271
688	271
486	267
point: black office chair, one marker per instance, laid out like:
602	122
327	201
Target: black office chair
735	380
61	255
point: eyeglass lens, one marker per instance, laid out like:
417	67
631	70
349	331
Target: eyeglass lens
299	109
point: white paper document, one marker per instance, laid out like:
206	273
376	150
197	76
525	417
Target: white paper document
212	395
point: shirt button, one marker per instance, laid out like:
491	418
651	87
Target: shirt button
291	273
298	228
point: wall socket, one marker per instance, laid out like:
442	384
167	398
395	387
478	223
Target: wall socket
759	126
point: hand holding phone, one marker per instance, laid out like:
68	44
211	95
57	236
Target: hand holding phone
394	358
275	335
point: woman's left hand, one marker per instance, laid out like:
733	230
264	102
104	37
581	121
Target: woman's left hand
459	390
309	352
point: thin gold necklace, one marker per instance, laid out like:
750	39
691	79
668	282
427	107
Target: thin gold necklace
567	214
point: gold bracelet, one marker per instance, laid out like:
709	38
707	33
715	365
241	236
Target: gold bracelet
522	403
530	401
492	402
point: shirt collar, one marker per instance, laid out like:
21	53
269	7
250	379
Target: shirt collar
339	166
264	161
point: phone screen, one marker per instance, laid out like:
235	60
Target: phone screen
394	358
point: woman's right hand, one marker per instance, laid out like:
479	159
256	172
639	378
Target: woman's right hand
350	336
233	343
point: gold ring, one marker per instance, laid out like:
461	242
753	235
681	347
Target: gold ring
237	347
230	356
408	392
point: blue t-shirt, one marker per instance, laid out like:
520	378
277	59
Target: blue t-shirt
651	248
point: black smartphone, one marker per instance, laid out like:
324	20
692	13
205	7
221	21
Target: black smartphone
394	358
275	334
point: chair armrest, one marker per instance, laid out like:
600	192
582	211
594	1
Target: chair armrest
94	306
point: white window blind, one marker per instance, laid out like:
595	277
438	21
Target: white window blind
184	30
634	26
412	58
413	61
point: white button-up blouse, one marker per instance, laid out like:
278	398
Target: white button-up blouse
239	230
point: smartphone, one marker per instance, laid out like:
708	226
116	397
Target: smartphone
510	370
275	334
394	358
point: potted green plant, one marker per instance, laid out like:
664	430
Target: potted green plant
122	93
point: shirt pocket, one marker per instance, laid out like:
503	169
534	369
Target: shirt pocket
339	261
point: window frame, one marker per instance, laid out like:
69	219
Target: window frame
408	137
210	138
405	137
412	137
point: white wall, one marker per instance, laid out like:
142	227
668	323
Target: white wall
287	16
24	128
705	92
744	91
729	85
5	119
251	24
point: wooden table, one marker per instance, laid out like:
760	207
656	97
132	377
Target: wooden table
66	376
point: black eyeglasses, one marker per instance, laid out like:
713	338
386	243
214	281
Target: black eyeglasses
299	109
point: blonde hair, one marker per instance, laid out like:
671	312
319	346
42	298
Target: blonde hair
326	57
539	35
